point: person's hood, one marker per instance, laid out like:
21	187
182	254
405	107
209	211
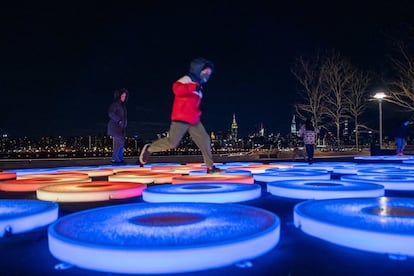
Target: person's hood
196	66
118	93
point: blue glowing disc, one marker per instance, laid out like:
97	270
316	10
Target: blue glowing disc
20	215
291	175
390	182
382	225
163	237
323	189
202	192
386	171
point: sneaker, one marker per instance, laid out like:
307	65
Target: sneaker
145	154
213	170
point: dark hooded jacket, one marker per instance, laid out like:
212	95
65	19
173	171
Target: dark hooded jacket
188	93
117	113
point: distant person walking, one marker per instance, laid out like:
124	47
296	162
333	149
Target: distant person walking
308	132
117	124
185	115
400	137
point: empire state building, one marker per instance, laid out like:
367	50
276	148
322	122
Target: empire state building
234	128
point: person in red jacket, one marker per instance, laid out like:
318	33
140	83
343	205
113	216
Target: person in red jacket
185	115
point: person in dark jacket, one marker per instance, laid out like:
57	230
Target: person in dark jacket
400	137
117	124
185	115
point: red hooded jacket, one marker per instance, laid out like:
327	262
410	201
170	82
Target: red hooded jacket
186	101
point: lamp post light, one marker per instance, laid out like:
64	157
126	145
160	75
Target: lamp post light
379	96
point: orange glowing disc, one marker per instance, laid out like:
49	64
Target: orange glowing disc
7	175
143	177
93	191
212	178
31	185
68	175
94	173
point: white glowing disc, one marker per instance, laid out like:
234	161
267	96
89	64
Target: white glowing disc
291	175
93	191
385	171
202	192
383	225
21	215
323	189
163	237
390	182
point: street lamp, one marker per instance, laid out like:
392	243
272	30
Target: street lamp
379	96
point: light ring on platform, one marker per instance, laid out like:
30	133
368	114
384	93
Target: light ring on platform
21	215
382	225
323	189
202	192
390	182
294	175
93	191
163	237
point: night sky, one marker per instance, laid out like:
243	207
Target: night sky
60	65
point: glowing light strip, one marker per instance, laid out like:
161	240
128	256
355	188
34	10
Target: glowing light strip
94	173
343	222
64	175
231	172
386	171
31	185
384	157
21	215
212	178
7	175
151	177
295	175
323	189
94	191
202	192
122	242
390	182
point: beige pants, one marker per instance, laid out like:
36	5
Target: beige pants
177	131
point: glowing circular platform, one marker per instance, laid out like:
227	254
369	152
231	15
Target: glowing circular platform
323	189
163	237
143	177
93	191
213	178
31	185
21	215
202	192
382	225
291	175
390	182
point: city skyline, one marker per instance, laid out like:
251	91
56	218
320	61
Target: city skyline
58	73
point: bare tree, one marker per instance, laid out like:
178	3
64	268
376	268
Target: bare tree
402	87
356	99
310	75
338	79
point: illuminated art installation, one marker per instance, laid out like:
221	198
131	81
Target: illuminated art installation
383	225
163	237
202	192
291	175
254	169
213	178
31	185
93	191
323	189
21	215
390	182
